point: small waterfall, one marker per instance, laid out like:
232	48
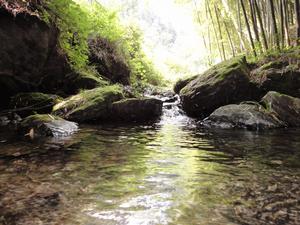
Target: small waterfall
173	114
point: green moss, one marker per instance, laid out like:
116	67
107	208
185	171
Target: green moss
89	98
38	118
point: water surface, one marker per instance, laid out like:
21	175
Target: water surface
170	172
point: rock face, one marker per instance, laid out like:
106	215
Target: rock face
226	83
285	107
108	62
26	104
47	126
135	110
89	105
248	116
29	54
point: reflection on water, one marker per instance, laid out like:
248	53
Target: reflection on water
168	173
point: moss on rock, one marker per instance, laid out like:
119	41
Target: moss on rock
225	83
46	125
89	105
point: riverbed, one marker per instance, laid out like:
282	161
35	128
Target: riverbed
168	172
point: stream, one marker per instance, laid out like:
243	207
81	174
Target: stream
169	172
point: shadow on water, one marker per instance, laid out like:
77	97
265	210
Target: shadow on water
171	172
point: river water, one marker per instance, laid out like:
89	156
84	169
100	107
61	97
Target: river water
170	172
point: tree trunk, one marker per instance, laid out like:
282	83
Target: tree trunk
297	11
262	28
254	23
274	25
220	31
235	24
214	27
248	28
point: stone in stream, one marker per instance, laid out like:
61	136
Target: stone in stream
249	116
46	126
226	83
90	105
285	107
107	104
135	109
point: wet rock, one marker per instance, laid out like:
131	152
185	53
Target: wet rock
285	107
107	60
225	83
34	102
90	105
47	126
135	109
247	116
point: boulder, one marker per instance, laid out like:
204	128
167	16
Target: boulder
89	105
223	84
285	107
248	116
108	61
45	125
26	104
136	110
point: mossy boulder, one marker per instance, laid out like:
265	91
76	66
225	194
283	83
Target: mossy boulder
89	105
45	125
285	107
246	116
136	110
26	104
223	84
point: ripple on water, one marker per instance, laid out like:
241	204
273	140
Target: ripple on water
168	173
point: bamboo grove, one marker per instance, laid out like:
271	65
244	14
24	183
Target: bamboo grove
254	27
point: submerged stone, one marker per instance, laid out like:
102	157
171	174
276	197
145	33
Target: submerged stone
47	126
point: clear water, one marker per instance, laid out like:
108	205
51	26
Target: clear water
170	172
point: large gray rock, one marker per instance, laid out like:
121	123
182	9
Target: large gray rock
136	110
249	116
285	107
47	126
225	83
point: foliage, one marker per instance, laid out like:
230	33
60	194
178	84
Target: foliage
143	71
78	21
